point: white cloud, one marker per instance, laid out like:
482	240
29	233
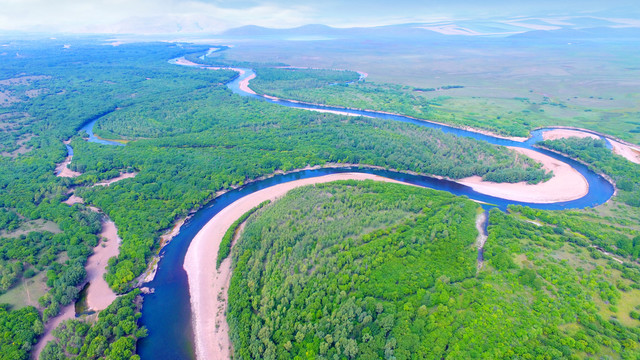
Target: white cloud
141	16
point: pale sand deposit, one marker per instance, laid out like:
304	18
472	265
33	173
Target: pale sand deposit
566	183
116	179
185	62
244	84
566	133
208	286
99	294
73	199
335	112
66	313
63	171
630	153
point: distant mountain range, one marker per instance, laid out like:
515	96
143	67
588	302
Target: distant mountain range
564	27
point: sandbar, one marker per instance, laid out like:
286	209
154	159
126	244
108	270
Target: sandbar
556	134
208	286
630	153
185	62
74	199
99	294
66	313
116	179
244	84
336	112
565	185
63	171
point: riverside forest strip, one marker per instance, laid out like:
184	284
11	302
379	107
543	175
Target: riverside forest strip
314	276
508	117
227	239
207	285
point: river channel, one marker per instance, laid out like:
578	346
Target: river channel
167	312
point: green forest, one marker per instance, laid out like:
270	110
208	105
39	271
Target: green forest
374	270
112	336
511	117
364	263
188	137
624	173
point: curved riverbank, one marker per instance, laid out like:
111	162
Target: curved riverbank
62	169
208	286
566	184
620	147
172	330
243	85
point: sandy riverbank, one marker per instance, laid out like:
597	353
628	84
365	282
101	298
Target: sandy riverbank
208	286
184	62
556	134
150	273
66	313
244	84
630	153
481	220
100	295
116	179
74	199
565	185
62	170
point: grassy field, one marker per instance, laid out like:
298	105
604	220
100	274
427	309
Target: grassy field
31	225
594	86
26	292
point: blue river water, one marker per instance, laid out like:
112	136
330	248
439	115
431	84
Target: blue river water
88	128
167	312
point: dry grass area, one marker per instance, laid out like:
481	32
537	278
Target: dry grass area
7	98
32	225
26	292
23	80
22	149
11	119
629	301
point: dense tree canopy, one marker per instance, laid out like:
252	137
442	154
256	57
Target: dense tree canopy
371	270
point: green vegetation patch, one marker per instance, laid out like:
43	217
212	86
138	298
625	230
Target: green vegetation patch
20	329
371	270
240	139
498	112
227	239
112	336
337	269
625	174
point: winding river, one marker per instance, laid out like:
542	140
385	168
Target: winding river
167	311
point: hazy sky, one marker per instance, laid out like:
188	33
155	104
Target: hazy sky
153	16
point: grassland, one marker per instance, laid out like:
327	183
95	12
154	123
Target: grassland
588	85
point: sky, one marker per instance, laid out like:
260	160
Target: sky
187	16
